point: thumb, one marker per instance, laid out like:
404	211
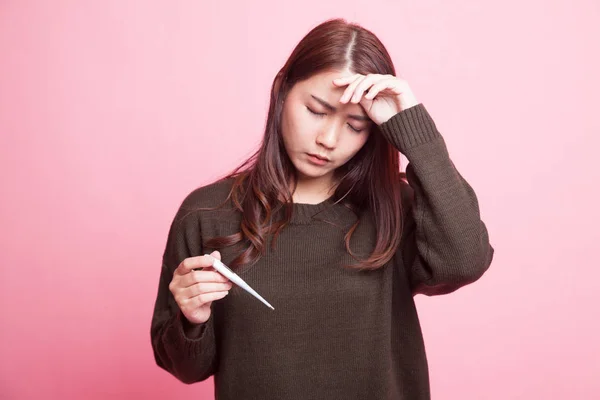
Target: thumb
214	254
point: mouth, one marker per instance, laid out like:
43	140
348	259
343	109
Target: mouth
322	158
317	160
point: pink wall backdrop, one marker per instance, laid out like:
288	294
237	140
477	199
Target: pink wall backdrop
112	111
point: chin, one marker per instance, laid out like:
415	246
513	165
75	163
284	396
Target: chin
306	172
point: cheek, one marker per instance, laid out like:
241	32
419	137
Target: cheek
353	145
287	131
297	130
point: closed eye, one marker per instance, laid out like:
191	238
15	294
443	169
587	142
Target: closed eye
323	114
355	129
314	112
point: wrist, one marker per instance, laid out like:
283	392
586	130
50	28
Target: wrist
191	330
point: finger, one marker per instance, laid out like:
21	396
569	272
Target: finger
375	89
206	287
345	80
364	85
214	254
350	89
195	277
202	299
378	87
191	263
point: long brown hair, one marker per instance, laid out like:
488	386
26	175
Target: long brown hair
370	180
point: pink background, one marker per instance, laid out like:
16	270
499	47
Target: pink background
112	111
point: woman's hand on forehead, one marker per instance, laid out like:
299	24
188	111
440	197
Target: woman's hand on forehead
381	96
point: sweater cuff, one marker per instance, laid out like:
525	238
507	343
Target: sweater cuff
191	331
410	128
192	342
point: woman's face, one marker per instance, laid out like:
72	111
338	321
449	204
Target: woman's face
315	123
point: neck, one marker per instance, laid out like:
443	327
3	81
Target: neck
313	191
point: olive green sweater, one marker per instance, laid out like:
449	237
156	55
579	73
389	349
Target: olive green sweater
335	333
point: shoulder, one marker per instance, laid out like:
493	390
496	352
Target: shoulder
209	195
212	195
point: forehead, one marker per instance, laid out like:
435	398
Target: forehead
320	86
323	81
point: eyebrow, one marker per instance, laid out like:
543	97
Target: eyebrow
333	109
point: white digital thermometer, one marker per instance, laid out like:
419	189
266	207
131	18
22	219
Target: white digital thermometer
233	277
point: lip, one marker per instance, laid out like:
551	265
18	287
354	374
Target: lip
319	157
317	160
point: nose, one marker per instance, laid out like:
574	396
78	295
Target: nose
328	135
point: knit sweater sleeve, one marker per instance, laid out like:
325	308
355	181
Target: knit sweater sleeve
445	244
186	351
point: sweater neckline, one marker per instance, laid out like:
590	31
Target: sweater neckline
306	213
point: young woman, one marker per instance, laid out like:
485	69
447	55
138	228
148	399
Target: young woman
321	222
